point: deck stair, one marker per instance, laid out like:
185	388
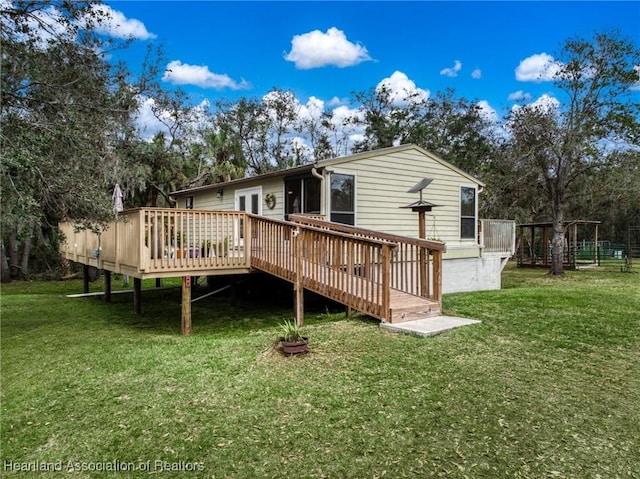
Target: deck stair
408	307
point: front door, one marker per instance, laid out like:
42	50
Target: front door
247	199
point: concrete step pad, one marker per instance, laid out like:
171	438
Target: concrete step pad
428	326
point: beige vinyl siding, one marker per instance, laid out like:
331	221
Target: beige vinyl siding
207	200
381	190
382	180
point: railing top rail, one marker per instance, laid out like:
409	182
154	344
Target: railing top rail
360	239
341	234
181	210
433	245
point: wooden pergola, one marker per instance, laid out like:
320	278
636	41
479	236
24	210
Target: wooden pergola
534	244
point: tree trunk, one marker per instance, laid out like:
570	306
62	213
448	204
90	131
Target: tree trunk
14	268
4	266
557	255
24	260
557	263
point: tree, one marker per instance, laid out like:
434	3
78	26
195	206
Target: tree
266	130
453	128
563	142
55	95
68	127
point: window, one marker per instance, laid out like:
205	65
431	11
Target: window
343	199
467	212
188	202
302	195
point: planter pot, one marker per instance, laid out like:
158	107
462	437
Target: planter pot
295	347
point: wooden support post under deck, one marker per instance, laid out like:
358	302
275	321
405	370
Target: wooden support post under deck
233	297
137	295
85	278
107	286
186	305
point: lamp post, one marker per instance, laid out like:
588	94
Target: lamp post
421	206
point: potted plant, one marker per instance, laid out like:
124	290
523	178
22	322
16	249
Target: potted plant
292	341
222	248
205	249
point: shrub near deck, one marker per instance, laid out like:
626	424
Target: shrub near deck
546	386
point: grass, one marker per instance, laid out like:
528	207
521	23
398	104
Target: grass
546	386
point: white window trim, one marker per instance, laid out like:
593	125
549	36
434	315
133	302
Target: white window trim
475	223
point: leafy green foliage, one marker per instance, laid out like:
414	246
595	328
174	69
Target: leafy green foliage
290	331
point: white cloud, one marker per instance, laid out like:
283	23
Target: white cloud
335	101
312	110
115	24
42	26
545	103
537	68
180	73
476	74
636	85
343	114
519	96
487	111
150	120
401	87
316	49
452	72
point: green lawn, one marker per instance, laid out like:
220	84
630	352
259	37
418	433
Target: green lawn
547	386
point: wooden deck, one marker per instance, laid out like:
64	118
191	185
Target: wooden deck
389	277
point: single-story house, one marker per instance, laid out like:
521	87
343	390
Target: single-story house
374	190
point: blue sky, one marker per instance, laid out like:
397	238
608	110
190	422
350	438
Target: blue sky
490	52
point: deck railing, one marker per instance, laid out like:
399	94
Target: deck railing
352	270
81	246
415	264
354	266
497	236
161	242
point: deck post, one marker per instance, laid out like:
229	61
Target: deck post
137	295
186	305
423	256
85	278
437	276
107	286
233	297
386	282
299	285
